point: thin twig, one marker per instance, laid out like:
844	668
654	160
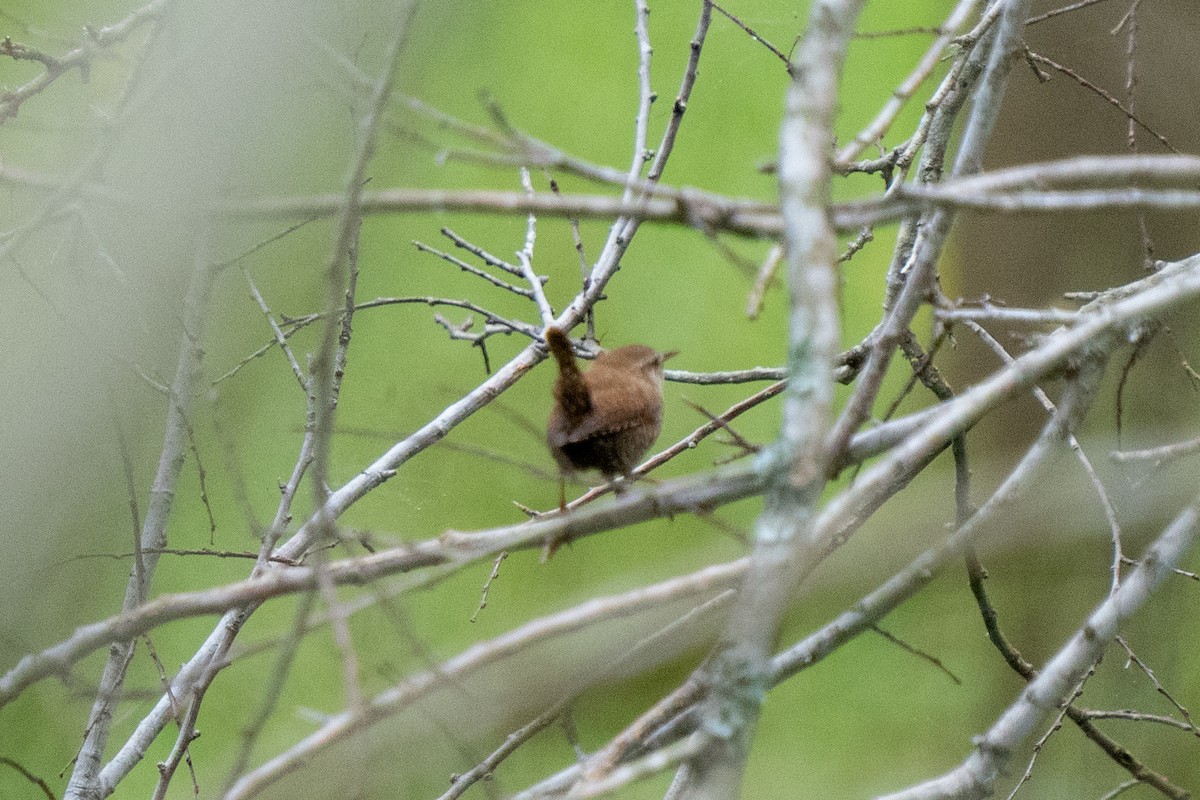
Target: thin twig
1102	93
81	57
1054	684
525	259
487	585
29	776
908	648
280	339
762	279
476	271
274	688
1158	687
782	56
1139	716
153	536
1063	10
480	253
902	94
1158	457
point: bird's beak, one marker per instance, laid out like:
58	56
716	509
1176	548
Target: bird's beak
669	354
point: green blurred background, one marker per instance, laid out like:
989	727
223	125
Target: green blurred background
253	99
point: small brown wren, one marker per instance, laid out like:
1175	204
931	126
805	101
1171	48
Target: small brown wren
606	418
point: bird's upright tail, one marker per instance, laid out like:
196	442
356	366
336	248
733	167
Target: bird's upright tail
570	390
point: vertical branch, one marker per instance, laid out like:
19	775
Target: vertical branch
986	107
328	366
784	537
339	622
624	228
325	377
153	538
1130	22
525	258
875	131
912	273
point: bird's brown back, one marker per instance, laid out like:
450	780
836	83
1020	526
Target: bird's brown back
606	418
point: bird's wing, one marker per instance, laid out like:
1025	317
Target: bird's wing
617	405
593	427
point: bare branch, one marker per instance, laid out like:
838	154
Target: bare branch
154	528
80	58
879	126
784	535
975	776
403	695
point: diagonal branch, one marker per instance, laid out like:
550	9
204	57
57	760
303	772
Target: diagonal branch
154	528
79	58
1102	323
795	471
976	776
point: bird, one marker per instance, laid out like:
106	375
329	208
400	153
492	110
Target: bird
607	417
